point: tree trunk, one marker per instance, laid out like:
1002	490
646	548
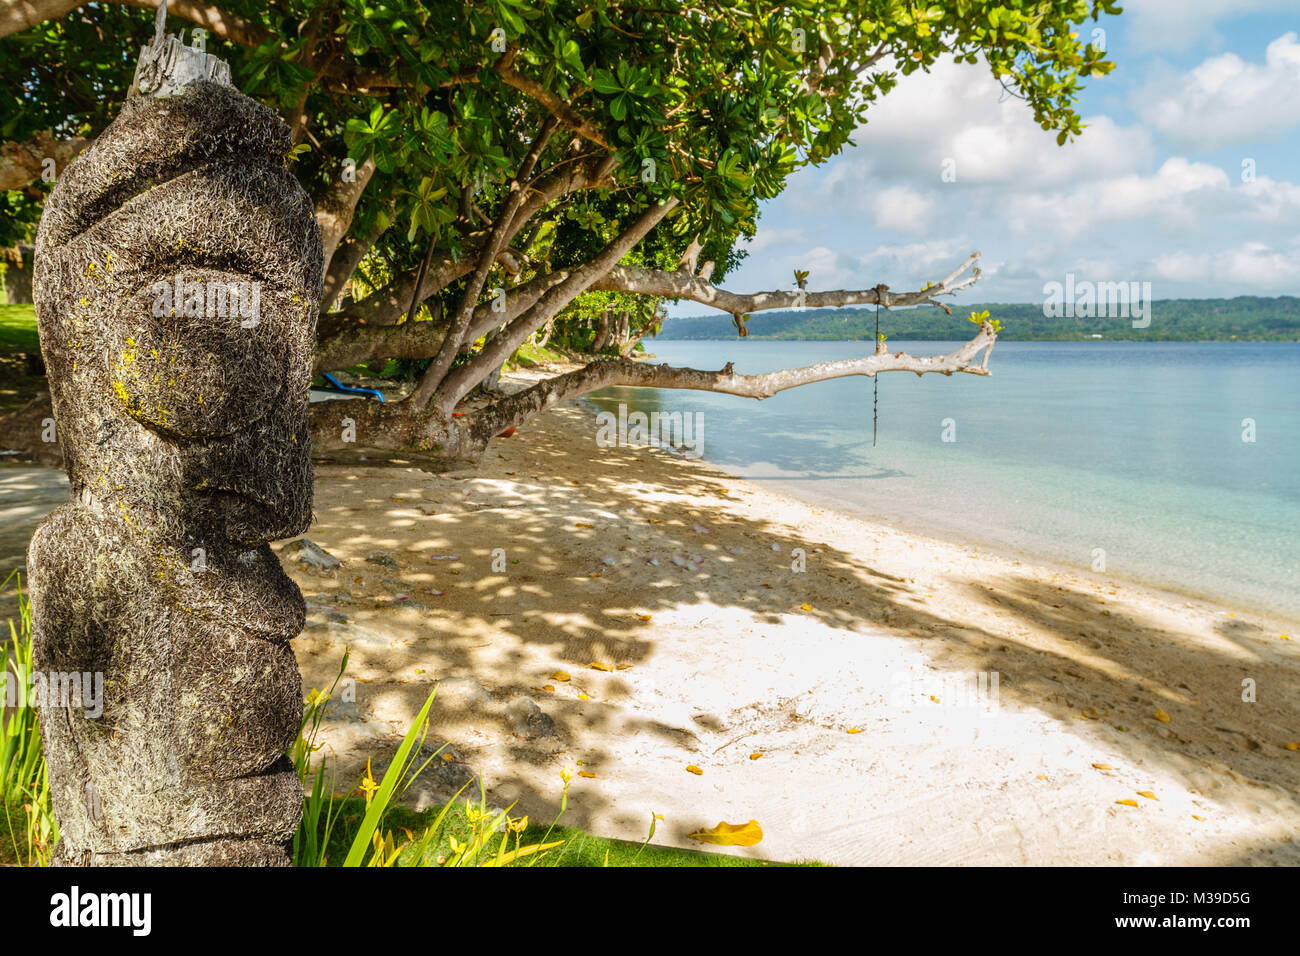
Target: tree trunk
18	276
602	332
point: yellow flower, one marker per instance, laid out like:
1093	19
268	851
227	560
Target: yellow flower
473	813
368	783
520	825
565	775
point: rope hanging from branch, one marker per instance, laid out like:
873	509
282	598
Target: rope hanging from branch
875	382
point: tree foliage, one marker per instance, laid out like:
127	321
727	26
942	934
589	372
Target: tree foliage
621	130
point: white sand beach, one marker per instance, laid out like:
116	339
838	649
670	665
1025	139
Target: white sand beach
901	701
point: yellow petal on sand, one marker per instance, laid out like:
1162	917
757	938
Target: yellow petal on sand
1127	803
550	687
1195	817
645	617
1161	716
755	755
584	773
691	768
596	574
1102	766
731	834
560	676
805	606
1284	637
583	697
1148	794
854	730
1294	745
600	666
582	524
446	758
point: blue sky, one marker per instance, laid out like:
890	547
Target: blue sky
1155	189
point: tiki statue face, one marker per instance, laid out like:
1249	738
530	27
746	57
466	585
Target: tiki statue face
179	266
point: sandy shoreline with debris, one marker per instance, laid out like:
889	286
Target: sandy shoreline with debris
901	701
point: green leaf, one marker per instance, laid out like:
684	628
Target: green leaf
379	805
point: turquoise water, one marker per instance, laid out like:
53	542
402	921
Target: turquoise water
1132	448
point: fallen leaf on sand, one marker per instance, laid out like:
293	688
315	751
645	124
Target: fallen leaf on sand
560	676
1195	817
600	666
550	687
584	773
805	606
1103	766
854	730
1148	794
731	834
1161	716
645	617
1127	803
1091	714
691	768
1293	746
583	524
755	756
583	697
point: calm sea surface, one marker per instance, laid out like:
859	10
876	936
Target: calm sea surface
1133	448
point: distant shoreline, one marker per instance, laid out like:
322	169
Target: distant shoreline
1242	319
1002	337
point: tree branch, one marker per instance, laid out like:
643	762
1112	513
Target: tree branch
553	104
344	262
496	241
337	205
386	305
683	285
604	373
23	163
462	380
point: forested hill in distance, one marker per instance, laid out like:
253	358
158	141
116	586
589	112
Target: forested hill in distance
1245	319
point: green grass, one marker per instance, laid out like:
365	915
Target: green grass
578	849
531	354
18	329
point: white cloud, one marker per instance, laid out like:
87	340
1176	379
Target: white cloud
1227	99
766	239
958	114
1253	265
1177	24
902	208
1170	198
